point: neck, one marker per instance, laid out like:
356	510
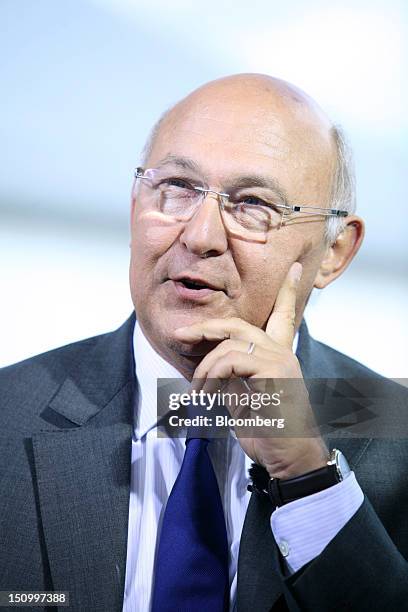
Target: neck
173	353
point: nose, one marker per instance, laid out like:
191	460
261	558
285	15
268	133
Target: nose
204	234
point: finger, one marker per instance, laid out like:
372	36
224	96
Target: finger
281	324
232	393
222	349
232	365
235	363
212	386
221	329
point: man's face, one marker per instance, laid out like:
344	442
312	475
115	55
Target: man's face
229	132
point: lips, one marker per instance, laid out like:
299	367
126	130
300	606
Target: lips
194	288
196	283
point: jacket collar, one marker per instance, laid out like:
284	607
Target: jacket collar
94	381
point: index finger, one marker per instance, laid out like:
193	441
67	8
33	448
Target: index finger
281	323
220	329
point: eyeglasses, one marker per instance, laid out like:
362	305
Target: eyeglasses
246	212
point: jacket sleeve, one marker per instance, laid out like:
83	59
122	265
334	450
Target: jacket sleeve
304	527
360	570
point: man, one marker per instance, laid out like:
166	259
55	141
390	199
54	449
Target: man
223	261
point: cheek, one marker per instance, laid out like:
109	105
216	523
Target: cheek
151	236
154	230
263	272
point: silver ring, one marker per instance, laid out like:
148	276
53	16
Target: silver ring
251	348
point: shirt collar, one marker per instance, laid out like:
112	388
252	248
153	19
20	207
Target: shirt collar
150	366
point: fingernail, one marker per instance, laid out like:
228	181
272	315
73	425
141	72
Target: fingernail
296	271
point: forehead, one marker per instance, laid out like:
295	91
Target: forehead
202	130
235	136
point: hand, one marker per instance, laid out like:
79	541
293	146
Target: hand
272	358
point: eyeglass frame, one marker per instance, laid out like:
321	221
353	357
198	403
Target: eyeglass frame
294	208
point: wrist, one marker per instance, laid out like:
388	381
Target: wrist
314	458
282	491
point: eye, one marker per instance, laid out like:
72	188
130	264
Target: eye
253	201
176	182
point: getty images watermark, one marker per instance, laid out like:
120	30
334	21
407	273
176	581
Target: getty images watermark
368	407
214	403
215	410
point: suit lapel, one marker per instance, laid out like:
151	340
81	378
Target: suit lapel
316	364
83	475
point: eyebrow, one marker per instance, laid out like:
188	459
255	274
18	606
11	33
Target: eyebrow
240	182
183	162
257	180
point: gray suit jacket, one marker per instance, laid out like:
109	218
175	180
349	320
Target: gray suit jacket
65	448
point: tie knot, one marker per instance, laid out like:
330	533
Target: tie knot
200	424
194	433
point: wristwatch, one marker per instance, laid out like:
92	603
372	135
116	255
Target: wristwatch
283	491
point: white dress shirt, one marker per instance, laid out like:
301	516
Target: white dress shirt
302	529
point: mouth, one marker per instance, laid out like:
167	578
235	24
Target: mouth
193	288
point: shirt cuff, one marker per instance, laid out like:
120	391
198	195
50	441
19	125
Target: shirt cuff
304	527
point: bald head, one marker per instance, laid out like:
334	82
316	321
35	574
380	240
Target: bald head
252	102
286	122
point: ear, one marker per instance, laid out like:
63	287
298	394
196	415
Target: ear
339	254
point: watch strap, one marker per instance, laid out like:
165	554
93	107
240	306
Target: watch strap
284	491
281	492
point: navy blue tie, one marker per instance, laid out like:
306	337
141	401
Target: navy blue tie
191	572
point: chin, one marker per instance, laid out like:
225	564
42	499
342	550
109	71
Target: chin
191	350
